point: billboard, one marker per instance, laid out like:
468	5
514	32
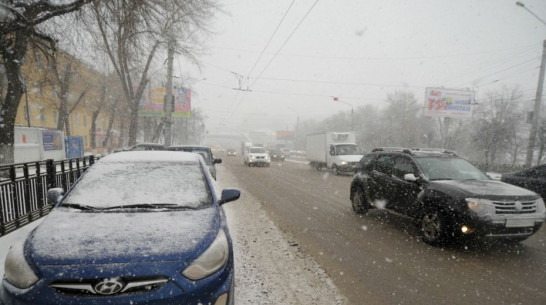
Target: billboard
152	103
52	139
449	103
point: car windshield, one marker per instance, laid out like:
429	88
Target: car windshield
258	151
112	184
436	168
347	150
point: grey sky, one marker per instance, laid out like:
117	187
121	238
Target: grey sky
359	51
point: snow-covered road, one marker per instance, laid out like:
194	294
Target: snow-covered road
270	266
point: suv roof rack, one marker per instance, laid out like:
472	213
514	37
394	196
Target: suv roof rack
435	150
411	150
394	149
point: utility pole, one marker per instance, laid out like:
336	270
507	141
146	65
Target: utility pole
169	94
536	110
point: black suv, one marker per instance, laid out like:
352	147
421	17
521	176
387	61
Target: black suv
446	196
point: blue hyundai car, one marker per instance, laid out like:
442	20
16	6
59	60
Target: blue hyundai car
137	228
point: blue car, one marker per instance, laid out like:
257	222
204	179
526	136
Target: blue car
137	228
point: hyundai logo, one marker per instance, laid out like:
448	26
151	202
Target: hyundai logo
109	286
518	206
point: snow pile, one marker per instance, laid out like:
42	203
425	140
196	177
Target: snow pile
270	266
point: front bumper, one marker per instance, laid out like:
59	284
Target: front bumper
501	227
349	167
216	289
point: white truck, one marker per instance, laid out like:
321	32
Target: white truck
334	150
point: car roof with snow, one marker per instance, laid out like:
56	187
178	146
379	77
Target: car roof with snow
152	156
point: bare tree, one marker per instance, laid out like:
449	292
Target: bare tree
400	124
496	122
131	33
65	77
18	29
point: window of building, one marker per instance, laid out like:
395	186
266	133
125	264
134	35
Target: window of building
85	120
42	115
55	117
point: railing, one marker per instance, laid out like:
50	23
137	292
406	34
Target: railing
23	188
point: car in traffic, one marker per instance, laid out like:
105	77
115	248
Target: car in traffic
256	156
204	151
448	197
276	155
136	228
533	179
231	152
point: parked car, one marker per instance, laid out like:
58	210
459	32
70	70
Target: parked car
276	155
231	152
204	151
256	156
446	195
533	179
137	228
146	146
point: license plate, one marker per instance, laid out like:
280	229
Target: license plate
518	223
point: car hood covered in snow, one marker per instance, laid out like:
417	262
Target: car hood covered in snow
81	237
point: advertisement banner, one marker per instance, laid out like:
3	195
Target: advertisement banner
451	103
52	140
152	103
74	147
182	103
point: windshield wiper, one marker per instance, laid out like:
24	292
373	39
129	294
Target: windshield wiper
440	179
78	206
170	206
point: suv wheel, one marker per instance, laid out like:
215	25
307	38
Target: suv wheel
335	170
360	202
434	228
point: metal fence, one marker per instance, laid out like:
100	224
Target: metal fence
23	188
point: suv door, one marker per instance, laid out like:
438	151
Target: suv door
405	199
382	181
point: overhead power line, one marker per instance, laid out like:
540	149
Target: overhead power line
270	38
526	47
285	42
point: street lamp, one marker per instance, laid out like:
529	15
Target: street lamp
336	99
538	98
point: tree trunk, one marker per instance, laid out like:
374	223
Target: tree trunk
94	129
13	58
109	129
133	122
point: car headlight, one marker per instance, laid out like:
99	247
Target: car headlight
214	258
482	207
343	162
17	270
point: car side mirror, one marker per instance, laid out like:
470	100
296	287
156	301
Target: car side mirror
216	161
229	195
54	195
410	177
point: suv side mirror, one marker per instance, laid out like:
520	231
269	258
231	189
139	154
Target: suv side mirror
410	177
216	161
54	195
229	195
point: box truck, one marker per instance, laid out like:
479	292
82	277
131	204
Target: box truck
336	151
